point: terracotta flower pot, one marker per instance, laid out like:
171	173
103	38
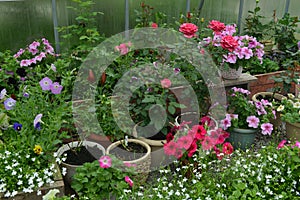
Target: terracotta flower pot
293	131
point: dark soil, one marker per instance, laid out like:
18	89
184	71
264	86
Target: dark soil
267	97
81	155
134	151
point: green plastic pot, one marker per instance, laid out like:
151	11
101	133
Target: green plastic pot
242	138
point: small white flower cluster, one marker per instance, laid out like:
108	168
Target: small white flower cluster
23	172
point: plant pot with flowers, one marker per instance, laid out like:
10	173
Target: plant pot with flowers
245	118
135	153
229	51
197	139
289	109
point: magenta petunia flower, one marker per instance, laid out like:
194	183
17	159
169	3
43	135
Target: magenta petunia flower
129	181
252	121
267	128
281	144
9	103
56	88
185	142
46	83
170	148
226	123
105	162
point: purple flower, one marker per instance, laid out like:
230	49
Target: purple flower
3	93
25	94
56	88
252	121
53	67
299	45
37	121
267	128
176	71
9	103
46	83
17	126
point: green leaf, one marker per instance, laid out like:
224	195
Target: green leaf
171	109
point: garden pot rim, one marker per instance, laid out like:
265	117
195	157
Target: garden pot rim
254	130
117	143
276	95
66	147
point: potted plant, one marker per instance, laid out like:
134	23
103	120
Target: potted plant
105	178
289	108
133	152
246	117
229	51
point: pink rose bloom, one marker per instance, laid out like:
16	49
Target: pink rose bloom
129	181
216	26
165	83
228	42
105	162
252	121
188	30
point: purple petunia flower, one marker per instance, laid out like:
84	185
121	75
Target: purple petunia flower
56	88
26	94
3	93
9	103
46	83
252	121
17	126
37	121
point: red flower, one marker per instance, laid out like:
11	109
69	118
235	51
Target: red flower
206	120
228	42
199	132
218	153
154	25
216	26
165	83
188	30
169	137
192	149
170	148
185	142
227	148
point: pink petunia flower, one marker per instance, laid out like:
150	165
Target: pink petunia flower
129	181
252	121
105	162
170	148
267	128
185	142
226	123
281	144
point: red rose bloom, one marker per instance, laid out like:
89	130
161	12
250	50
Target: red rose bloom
216	26
228	42
188	30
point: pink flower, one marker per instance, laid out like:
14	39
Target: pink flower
34	45
281	144
267	128
218	153
297	144
230	58
129	181
199	132
25	63
165	83
188	30
170	148
227	148
216	26
105	162
229	42
169	137
185	142
154	25
123	48
252	121
207	143
192	149
226	123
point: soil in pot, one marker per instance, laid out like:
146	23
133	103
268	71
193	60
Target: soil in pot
81	155
132	152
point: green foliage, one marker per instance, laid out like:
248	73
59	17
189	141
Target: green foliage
93	182
289	109
255	67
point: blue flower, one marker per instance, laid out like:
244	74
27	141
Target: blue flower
17	126
9	103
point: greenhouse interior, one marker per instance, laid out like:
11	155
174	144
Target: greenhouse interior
185	99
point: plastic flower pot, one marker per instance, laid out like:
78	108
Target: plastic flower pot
242	138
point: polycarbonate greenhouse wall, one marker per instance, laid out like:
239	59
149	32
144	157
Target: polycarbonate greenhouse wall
22	21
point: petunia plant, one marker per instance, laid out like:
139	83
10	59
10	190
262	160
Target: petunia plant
110	176
244	113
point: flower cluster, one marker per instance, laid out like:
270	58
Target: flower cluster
184	140
230	50
25	171
34	53
244	113
47	84
289	108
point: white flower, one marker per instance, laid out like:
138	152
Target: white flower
14	193
296	105
20	182
290	95
140	194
